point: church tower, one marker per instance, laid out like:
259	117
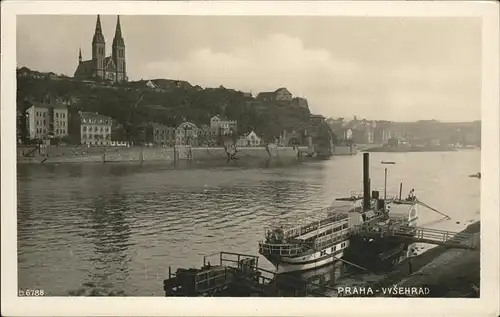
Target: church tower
98	50
118	53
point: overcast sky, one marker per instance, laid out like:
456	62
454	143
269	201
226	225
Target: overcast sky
401	69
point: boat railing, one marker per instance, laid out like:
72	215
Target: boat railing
307	223
332	238
373	227
399	220
389	194
284	249
314	225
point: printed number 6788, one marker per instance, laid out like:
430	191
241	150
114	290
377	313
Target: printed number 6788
31	292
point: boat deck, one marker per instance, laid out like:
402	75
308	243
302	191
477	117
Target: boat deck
295	226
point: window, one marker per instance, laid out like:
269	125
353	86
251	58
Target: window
95	129
84	129
57	131
57	115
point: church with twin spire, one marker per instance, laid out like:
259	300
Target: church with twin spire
101	67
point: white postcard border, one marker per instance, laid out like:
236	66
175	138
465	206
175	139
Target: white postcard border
487	305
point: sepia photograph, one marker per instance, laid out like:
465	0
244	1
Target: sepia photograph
188	154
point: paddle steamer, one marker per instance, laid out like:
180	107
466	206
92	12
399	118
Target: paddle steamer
323	237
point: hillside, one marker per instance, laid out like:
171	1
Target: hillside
170	102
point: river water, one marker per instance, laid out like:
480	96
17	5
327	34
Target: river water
119	227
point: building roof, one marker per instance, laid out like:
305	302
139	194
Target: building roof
98	36
170	83
84	68
109	65
266	94
222	118
47	105
280	89
94	116
118	39
316	116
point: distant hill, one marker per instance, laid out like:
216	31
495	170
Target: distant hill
167	102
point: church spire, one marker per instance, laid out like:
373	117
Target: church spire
118	39
80	56
98	37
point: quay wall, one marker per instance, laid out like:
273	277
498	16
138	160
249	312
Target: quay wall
345	149
69	154
448	272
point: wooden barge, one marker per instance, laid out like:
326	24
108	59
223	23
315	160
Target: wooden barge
237	275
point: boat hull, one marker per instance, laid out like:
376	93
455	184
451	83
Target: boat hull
376	254
305	262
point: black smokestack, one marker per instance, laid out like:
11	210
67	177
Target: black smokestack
366	180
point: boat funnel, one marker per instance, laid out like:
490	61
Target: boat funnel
366	181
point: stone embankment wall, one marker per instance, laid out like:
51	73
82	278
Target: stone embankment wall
140	154
345	149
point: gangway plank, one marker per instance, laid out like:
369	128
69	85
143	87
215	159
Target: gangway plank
422	235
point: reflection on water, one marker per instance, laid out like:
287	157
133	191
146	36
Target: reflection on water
316	281
119	226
